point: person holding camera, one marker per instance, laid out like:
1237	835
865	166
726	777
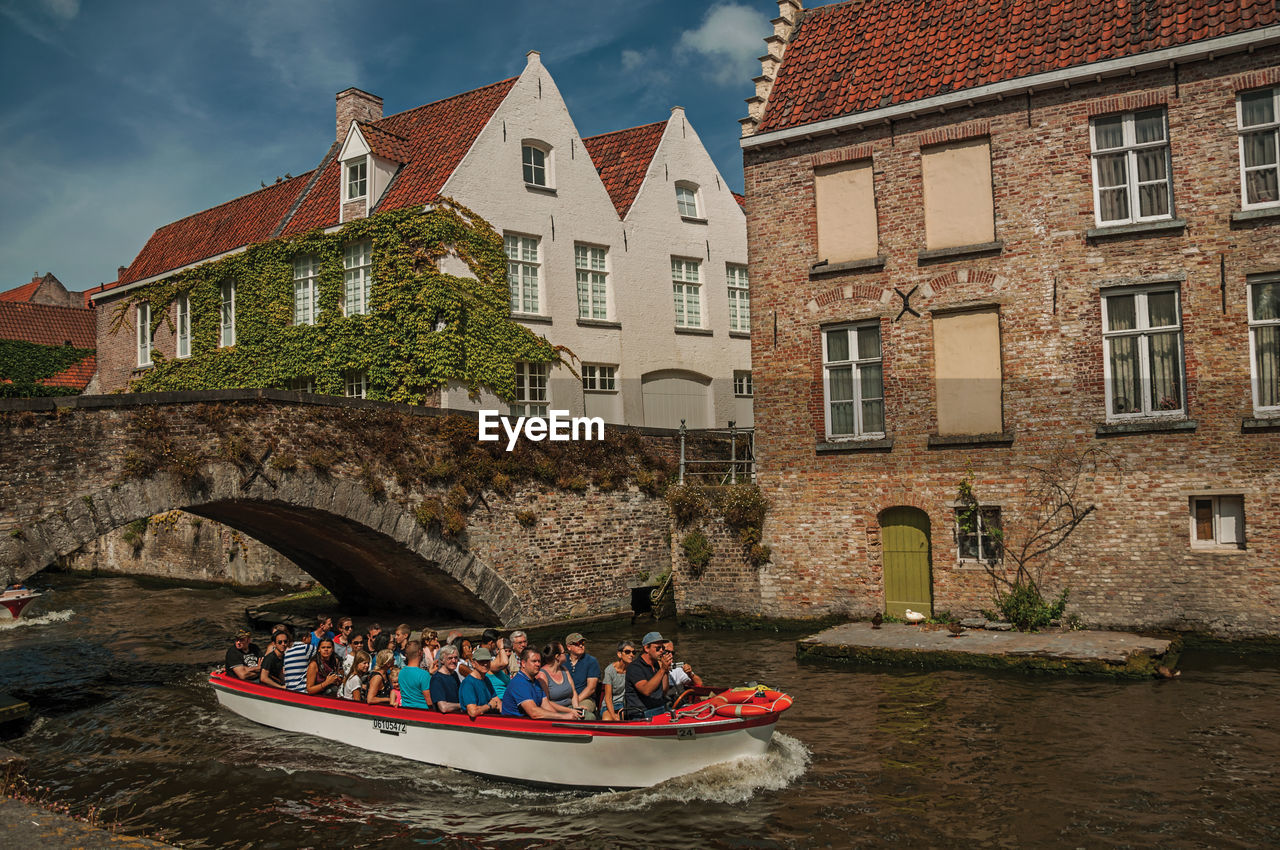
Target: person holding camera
681	677
647	680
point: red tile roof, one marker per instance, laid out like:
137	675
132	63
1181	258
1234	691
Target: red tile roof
433	140
869	54
622	158
384	143
741	199
45	324
22	293
248	219
77	375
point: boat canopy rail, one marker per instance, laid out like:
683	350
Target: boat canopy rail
739	445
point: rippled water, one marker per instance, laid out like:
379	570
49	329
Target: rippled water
868	758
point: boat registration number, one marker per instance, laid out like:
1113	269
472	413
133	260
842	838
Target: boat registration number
685	733
389	727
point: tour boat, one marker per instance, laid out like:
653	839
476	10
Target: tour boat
715	728
14	598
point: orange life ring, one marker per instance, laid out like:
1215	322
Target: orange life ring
757	701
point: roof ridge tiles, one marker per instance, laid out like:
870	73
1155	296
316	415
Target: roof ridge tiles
440	101
283	182
627	129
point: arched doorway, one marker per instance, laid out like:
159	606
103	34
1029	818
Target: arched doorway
672	395
908	581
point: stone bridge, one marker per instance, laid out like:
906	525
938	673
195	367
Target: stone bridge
387	505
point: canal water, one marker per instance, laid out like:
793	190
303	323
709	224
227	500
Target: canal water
869	758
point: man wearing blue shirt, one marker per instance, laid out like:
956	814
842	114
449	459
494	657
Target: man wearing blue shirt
415	683
585	671
525	696
444	682
476	692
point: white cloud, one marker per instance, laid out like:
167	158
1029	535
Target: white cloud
634	60
727	43
307	43
64	9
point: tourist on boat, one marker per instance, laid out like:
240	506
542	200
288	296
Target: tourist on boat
353	687
398	640
324	671
464	658
273	662
323	629
647	679
356	645
394	673
681	677
430	643
375	640
614	682
525	696
341	640
444	682
378	688
498	675
519	642
415	682
489	640
476	694
585	671
244	657
557	681
296	659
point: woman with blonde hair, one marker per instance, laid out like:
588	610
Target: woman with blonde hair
378	691
353	687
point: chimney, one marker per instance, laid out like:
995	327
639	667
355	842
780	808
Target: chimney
789	14
356	105
120	270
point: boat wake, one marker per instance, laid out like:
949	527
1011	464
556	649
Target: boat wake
41	620
729	782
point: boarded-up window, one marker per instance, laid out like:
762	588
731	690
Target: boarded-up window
966	365
846	203
957	194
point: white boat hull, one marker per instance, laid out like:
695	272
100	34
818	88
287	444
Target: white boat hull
628	755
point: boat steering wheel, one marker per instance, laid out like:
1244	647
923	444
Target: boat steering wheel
680	699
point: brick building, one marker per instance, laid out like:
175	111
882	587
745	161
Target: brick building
987	239
41	317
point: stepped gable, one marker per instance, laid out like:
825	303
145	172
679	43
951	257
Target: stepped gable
248	219
622	159
870	54
430	140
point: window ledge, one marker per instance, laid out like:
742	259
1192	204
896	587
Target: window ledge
824	268
963	441
739	335
599	392
599	323
1145	426
532	318
1165	226
693	219
1220	549
884	444
545	190
695	331
1260	423
1260	213
934	254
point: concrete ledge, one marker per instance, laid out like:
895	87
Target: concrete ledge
1263	214
965	441
600	323
1142	228
935	254
883	445
531	318
1265	424
1118	655
739	335
1145	426
825	268
695	331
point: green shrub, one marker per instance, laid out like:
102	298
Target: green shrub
528	519
688	503
698	551
1025	606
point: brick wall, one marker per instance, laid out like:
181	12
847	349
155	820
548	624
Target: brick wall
1131	564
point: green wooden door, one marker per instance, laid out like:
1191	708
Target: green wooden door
907	580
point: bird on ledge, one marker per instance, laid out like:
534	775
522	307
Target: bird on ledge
915	617
877	620
956	629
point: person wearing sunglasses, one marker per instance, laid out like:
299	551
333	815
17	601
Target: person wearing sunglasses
585	671
272	673
357	644
342	638
243	657
615	681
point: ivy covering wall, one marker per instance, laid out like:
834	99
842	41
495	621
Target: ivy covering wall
23	365
406	358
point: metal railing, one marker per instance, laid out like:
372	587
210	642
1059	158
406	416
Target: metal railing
741	464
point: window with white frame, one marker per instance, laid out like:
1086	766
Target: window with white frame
357	179
1132	179
522	272
305	384
227	331
686	285
598	378
1217	521
1142	342
593	291
1264	342
687	200
979	534
357	383
357	277
853	381
306	304
143	317
182	325
533	158
742	385
1257	114
739	302
531	390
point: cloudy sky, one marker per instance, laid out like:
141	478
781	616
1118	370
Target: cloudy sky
118	116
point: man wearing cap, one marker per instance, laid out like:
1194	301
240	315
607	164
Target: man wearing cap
244	657
476	692
646	680
585	671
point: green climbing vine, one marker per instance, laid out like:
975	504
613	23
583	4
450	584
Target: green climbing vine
396	344
23	365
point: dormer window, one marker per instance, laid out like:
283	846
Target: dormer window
687	200
357	179
536	161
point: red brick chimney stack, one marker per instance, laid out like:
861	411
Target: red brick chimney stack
356	105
